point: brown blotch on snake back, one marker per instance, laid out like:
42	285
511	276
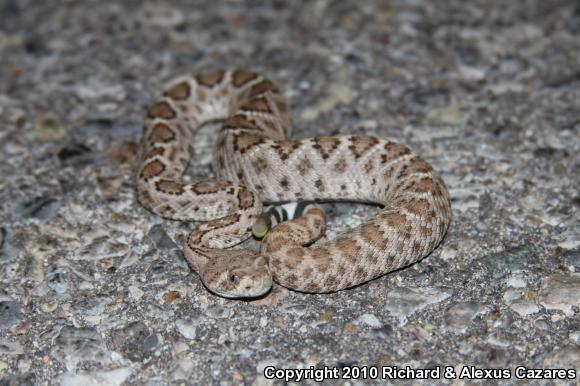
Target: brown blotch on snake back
417	205
178	92
326	145
156	151
286	148
312	287
161	133
292	279
238	121
296	253
348	245
263	87
330	282
321	254
360	274
169	187
162	110
240	77
395	220
394	151
210	79
260	164
152	169
245	198
258	104
208	187
423	185
372	234
245	141
226	221
360	145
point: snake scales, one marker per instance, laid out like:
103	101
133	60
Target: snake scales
257	163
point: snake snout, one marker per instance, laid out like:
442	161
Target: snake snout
246	277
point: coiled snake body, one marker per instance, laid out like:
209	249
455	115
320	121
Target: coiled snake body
258	163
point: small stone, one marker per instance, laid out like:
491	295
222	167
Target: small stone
326	315
512	260
90	305
49	127
125	154
9	348
75	154
109	187
337	93
40	208
11	245
135	292
261	365
172	296
129	340
187	327
152	341
403	302
73	346
369	320
567	357
57	280
572	257
114	377
49	306
524	307
219	312
458	318
162	241
349	328
516	280
444	116
560	292
10	314
471	73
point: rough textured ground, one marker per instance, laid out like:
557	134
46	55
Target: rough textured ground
95	288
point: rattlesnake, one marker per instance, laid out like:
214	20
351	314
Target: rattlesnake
257	163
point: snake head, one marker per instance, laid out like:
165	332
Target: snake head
241	274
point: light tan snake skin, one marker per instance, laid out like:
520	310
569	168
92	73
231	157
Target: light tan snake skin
257	163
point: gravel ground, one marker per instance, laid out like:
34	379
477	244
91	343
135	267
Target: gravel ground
95	289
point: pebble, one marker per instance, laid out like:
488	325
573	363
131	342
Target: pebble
262	364
403	302
369	320
41	208
10	314
458	318
135	292
187	327
73	346
9	348
114	377
160	238
512	260
129	340
560	292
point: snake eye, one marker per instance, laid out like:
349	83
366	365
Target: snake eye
234	278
